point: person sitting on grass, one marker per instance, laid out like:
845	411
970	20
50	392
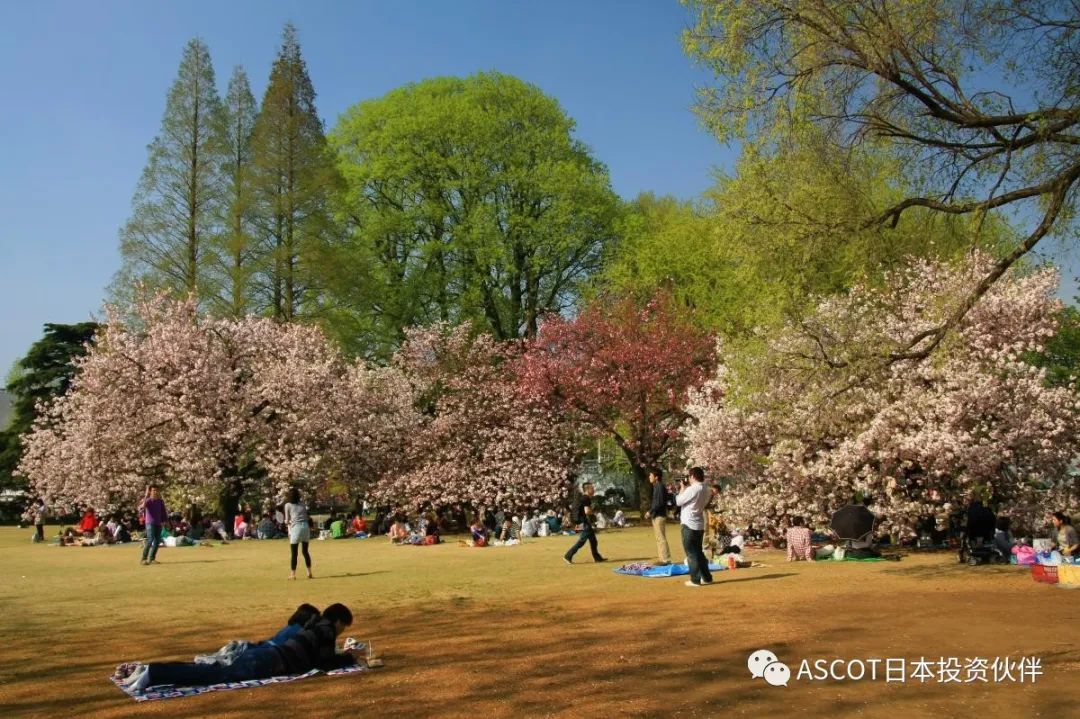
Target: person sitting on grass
89	523
359	525
734	544
99	537
431	532
1003	541
339	529
530	526
399	531
303	615
619	520
1066	540
266	528
479	534
180	526
506	531
240	527
798	541
216	528
313	647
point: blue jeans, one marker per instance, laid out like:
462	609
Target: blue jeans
254	663
588	534
695	555
153	541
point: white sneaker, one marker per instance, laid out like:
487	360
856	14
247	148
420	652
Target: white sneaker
138	680
690	583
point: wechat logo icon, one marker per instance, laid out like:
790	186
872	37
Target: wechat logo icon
763	664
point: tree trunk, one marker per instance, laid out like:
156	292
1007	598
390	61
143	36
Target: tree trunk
229	501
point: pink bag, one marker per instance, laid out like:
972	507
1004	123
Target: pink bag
1024	554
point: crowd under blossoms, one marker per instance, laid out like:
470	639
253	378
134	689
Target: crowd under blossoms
820	417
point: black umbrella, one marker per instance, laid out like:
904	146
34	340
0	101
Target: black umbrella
853	522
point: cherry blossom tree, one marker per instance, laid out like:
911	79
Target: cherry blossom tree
624	371
209	408
818	418
481	442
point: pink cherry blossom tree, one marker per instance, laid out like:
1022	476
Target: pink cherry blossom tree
210	407
818	418
624	371
481	442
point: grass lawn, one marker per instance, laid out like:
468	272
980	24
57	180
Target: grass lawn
513	632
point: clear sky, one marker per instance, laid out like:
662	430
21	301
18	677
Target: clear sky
86	85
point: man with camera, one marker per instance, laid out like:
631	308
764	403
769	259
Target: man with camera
692	499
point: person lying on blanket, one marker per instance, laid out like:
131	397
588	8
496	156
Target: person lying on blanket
303	615
314	647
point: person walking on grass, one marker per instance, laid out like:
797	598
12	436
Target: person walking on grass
583	515
152	507
693	498
658	514
299	524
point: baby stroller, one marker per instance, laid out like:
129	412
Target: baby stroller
977	541
977	551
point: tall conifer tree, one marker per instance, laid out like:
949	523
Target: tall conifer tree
236	253
176	209
294	177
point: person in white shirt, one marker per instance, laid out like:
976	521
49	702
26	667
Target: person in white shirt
735	543
619	520
529	526
692	500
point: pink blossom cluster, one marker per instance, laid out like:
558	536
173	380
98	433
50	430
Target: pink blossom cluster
191	403
822	415
185	401
480	442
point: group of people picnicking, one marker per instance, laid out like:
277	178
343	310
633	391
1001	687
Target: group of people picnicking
701	529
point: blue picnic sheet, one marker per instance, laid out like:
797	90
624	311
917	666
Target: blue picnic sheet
638	569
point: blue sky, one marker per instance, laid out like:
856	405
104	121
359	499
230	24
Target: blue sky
86	85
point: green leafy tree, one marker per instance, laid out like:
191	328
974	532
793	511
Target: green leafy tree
293	182
44	373
166	244
785	227
903	75
236	250
1061	355
468	199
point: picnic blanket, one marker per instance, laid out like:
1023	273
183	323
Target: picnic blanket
639	569
859	559
169	692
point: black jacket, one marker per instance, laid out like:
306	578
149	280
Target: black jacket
659	505
313	648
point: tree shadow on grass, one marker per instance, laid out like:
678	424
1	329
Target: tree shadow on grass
935	571
775	575
350	574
